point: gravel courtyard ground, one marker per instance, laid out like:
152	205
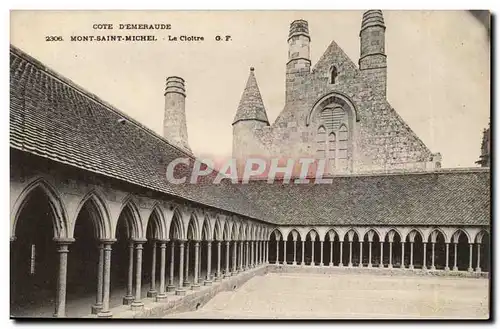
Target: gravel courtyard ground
350	296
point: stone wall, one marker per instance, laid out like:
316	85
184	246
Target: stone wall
382	140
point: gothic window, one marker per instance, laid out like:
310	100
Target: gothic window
342	147
333	137
332	147
321	143
333	74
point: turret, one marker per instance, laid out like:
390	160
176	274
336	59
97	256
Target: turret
372	60
250	116
299	61
174	122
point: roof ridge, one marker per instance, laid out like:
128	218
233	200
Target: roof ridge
460	170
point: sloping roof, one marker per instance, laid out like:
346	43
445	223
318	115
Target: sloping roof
446	197
251	106
53	118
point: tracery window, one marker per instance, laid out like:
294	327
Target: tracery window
321	143
333	137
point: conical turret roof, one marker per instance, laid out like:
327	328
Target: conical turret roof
251	106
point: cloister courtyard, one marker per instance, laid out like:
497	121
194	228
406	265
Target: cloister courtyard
345	295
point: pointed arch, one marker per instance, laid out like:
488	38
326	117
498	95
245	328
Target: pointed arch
480	235
235	230
158	219
99	213
308	234
395	230
439	230
460	231
59	214
206	233
277	234
132	218
329	98
193	229
375	231
331	232
418	231
299	236
177	230
228	230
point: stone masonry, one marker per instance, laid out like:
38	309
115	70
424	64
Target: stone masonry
378	138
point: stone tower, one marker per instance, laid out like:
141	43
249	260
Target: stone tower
174	122
298	65
372	60
250	117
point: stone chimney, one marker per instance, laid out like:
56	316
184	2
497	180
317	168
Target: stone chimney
174	122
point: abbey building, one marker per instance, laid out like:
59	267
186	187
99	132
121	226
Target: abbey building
335	110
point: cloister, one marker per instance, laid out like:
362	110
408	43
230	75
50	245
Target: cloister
93	215
427	248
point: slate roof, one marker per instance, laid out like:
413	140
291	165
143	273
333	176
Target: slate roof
446	197
53	118
251	106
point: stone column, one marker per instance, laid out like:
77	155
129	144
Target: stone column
331	254
277	251
241	256
284	252
411	256
96	308
235	247
424	266
455	268
312	253
369	254
447	267
341	264
294	252
390	255
62	250
218	277
432	260
470	258
196	285
247	255
171	286
267	252
129	297
252	254
478	267
163	250
350	254
186	275
152	290
360	253
137	304
208	279
321	253
402	254
180	289
303	248
106	280
381	254
227	274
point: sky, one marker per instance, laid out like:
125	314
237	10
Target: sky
438	67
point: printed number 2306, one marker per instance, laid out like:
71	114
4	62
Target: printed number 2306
53	38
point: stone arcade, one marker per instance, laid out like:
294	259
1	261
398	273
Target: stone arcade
93	215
